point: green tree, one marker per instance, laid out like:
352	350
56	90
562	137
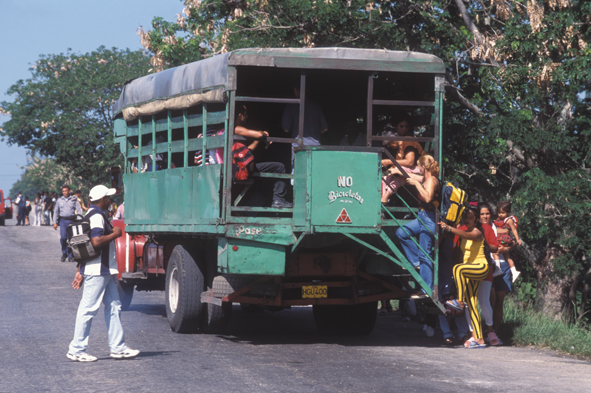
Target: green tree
46	175
516	119
64	110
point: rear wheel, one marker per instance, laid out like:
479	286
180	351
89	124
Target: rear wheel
184	285
358	319
2	220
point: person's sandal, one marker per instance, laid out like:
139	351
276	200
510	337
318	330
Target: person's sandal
475	345
468	342
448	341
455	305
494	340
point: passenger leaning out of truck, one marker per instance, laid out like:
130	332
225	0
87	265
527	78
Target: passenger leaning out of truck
406	154
262	187
429	190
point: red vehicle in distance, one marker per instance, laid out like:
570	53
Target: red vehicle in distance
5	209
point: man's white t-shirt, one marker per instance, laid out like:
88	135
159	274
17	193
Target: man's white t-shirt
106	263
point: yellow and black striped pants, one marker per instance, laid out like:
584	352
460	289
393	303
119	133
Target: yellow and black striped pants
467	277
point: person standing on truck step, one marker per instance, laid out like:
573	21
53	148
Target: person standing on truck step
99	277
279	185
66	208
423	228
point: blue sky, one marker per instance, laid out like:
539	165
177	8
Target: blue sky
30	28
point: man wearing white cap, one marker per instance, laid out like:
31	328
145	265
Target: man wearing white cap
99	277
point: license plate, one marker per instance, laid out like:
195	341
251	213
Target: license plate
314	291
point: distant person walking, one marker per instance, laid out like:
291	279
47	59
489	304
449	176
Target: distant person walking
20	202
28	208
54	197
47	208
66	208
38	209
99	277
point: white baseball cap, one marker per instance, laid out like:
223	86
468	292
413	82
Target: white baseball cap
100	191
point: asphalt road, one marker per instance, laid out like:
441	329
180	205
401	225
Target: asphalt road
279	352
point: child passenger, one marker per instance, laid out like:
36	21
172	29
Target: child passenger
505	225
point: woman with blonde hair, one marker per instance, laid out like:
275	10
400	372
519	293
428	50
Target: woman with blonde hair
429	190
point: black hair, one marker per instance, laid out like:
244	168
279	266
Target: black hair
404	117
240	109
476	211
65	186
504	206
483	205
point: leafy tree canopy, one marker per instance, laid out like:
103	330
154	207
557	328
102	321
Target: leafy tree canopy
516	115
64	110
46	175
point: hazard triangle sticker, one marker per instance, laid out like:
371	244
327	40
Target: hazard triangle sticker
344	218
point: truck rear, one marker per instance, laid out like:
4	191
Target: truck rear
190	229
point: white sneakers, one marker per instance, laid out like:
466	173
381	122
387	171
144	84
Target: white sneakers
128	353
81	357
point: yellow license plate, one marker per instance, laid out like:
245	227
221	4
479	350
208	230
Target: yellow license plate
314	292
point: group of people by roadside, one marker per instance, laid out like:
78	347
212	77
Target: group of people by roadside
50	209
475	267
476	254
36	212
41	210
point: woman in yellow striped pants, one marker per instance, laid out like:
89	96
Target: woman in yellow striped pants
471	272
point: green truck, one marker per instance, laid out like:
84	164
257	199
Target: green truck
190	228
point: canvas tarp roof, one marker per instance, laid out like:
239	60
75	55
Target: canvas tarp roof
207	80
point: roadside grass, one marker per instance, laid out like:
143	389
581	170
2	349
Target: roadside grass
525	326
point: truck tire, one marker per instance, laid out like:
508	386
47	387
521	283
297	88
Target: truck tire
184	285
125	294
216	318
2	220
357	320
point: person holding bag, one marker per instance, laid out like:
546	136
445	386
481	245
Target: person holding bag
99	276
469	274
